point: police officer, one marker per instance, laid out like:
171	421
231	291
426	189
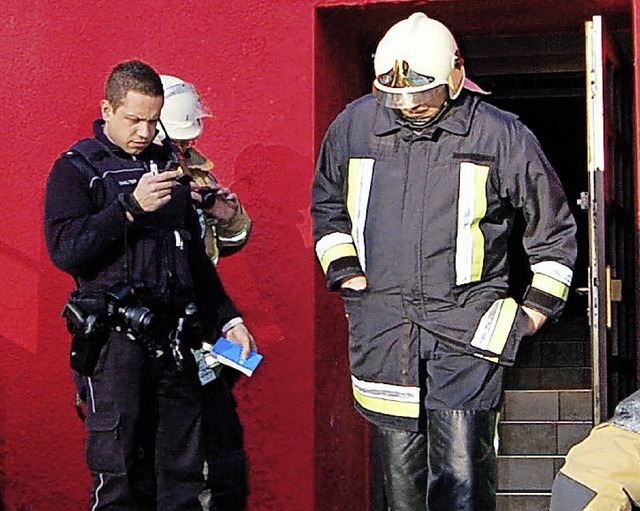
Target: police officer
414	197
119	221
226	228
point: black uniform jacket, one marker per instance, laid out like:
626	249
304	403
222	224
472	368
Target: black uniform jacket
160	253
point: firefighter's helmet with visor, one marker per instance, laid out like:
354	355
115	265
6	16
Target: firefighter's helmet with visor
414	58
183	111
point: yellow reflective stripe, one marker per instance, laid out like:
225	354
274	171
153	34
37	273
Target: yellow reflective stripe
550	286
480	185
386	406
495	326
503	326
336	252
359	179
353	179
472	207
495	360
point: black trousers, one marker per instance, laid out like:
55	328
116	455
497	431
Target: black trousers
227	477
450	464
142	413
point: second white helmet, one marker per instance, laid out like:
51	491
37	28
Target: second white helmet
183	111
416	55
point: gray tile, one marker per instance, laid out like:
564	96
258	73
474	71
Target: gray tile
576	405
529	354
525	474
564	354
563	378
511	502
527	438
531	405
570	434
523	378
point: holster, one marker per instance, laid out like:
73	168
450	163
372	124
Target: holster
89	332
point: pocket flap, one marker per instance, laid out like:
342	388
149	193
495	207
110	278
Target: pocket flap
102	421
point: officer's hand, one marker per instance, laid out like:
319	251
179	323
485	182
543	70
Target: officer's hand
240	335
357	283
154	191
226	203
536	320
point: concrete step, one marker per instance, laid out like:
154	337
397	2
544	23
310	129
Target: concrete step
523	501
527	473
547	405
540	437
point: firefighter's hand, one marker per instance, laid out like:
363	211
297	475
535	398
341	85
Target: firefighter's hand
536	320
241	335
357	283
226	203
154	191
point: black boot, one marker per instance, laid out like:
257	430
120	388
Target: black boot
462	460
404	461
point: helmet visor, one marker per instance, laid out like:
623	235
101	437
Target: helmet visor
406	99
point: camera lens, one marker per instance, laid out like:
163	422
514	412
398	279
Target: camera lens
208	199
138	318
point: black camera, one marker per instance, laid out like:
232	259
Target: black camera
208	197
123	309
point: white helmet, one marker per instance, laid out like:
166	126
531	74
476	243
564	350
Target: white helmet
182	111
415	56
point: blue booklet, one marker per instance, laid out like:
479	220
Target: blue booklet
228	353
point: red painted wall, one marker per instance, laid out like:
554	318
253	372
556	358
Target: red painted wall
241	55
256	64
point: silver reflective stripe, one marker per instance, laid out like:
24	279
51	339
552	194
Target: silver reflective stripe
359	178
237	237
472	206
495	326
555	270
388	399
331	240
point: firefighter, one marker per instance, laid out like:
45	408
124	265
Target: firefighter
227	223
226	227
414	197
601	472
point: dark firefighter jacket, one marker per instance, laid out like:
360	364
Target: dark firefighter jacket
426	218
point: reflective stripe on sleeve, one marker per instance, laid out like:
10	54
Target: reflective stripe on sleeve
396	400
360	176
555	270
472	206
495	326
334	246
234	239
550	286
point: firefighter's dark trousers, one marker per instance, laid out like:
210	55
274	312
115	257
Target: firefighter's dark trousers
136	405
451	463
227	478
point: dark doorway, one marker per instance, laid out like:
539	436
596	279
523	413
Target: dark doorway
552	105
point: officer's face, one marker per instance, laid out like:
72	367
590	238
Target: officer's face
131	125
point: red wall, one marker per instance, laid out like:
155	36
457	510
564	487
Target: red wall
55	57
256	65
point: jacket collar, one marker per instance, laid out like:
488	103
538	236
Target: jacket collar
456	119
